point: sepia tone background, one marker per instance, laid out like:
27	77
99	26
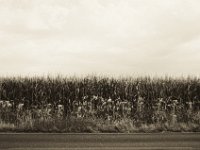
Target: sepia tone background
111	37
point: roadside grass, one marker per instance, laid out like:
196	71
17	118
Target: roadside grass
6	127
94	125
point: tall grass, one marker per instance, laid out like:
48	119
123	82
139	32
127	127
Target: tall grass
148	102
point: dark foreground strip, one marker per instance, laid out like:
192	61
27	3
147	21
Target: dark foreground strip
111	148
160	141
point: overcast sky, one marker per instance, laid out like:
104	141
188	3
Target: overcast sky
110	37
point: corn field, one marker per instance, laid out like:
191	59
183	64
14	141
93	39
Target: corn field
142	100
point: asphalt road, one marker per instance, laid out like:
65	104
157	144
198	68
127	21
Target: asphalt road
99	141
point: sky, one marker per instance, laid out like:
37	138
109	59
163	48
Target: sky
104	37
